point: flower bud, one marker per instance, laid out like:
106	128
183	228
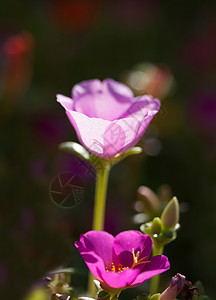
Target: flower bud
170	215
149	199
164	193
156	226
176	285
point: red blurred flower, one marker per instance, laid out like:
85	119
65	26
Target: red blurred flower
17	72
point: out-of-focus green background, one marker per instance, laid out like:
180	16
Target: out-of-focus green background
48	46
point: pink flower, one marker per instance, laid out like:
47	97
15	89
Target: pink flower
107	118
120	262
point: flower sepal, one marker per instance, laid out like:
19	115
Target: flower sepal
122	155
105	294
96	161
75	148
99	162
100	293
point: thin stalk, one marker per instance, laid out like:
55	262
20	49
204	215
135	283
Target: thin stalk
157	250
100	198
99	211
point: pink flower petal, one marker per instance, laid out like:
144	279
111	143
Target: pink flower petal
90	131
137	118
141	106
119	280
134	129
118	90
85	94
126	241
96	249
158	264
113	140
104	138
107	100
66	102
102	243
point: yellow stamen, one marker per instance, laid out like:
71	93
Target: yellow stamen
112	267
136	260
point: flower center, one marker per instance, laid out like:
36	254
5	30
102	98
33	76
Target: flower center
136	261
112	267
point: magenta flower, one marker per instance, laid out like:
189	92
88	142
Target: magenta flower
120	262
107	118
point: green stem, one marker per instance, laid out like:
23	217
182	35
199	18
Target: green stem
100	198
157	250
99	211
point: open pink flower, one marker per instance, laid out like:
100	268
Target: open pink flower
107	118
120	262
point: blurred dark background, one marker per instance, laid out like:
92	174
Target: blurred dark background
165	48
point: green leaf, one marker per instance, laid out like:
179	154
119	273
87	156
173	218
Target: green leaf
75	148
